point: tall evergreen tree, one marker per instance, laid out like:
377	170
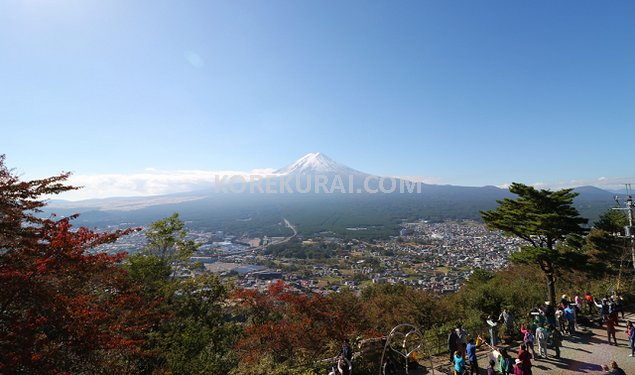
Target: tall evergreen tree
542	218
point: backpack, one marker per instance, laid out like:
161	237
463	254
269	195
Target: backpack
529	337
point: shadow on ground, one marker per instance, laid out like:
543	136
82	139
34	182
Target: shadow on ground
571	365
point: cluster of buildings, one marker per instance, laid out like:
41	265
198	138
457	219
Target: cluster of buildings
434	256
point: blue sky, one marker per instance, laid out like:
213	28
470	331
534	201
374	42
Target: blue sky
460	92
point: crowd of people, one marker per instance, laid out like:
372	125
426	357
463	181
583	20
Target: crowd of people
544	329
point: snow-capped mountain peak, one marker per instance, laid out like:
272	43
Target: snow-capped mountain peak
316	163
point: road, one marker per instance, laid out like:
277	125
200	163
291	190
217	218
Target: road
287	223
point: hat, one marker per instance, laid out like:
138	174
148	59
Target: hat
518	361
547	302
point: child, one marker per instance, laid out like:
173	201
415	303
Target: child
506	363
528	338
459	363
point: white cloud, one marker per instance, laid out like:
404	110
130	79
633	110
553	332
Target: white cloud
149	182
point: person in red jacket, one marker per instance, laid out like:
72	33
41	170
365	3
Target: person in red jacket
525	359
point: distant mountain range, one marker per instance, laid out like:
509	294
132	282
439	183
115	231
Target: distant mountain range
346	198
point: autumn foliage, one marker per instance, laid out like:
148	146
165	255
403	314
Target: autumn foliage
63	308
291	326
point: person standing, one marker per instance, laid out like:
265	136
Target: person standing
578	303
459	363
569	315
453	344
525	359
507	317
506	363
613	312
542	337
604	313
528	338
560	320
630	331
556	340
550	313
462	335
471	357
493	330
619	301
610	330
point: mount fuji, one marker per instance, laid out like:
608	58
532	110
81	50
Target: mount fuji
317	163
246	214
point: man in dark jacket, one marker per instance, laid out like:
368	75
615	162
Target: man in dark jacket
453	344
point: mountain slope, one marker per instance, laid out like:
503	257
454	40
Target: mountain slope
261	212
317	163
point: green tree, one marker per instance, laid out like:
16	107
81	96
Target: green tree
194	336
199	338
542	218
167	240
612	221
604	245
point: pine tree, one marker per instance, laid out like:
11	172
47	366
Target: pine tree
542	218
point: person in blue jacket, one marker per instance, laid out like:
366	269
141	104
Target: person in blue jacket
459	363
471	357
